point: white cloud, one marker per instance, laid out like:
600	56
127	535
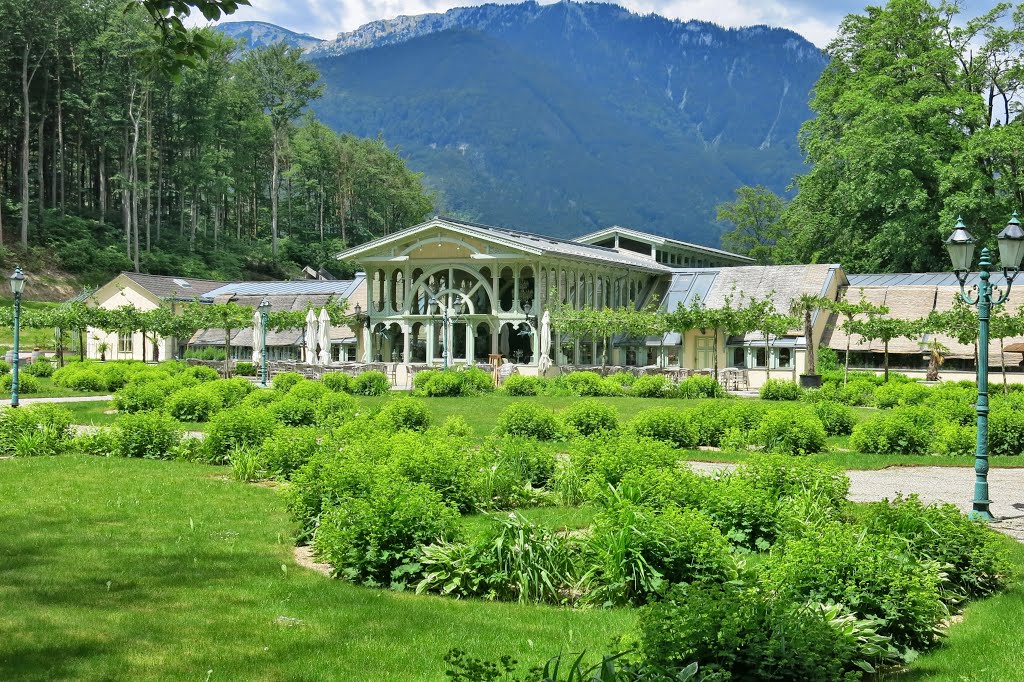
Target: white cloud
326	18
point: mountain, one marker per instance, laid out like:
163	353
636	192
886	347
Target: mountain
257	34
567	117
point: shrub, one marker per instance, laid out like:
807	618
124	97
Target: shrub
605	460
334	409
144	396
146	434
1006	431
261	397
529	420
651	386
584	384
286	450
117	374
666	424
371	383
858	392
779	389
784	477
247	465
192	405
309	390
285	381
452	382
5	368
446	465
967	552
734	632
955	440
699	387
632	552
404	413
202	373
587	417
339	382
791	432
329	476
293	411
900	393
230	392
476	381
712	419
369	539
520	385
42	429
900	431
99	443
27	383
870	574
456	426
835	417
245	369
528	461
41	368
238	427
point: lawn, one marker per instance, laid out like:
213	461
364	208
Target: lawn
481	412
28	338
153	570
158	570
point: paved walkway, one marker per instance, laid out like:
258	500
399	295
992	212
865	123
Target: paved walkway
936	484
69	399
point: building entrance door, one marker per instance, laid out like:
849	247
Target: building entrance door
705	348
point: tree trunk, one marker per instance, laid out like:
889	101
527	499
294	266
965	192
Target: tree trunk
126	198
103	185
149	176
767	358
136	117
227	353
26	131
885	360
159	196
274	186
812	361
60	142
846	361
1002	366
40	175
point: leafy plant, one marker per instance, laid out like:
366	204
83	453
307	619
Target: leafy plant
529	420
589	417
149	434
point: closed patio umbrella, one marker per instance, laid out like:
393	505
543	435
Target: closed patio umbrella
545	343
257	338
324	337
311	333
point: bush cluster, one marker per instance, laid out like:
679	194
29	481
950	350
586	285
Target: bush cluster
452	382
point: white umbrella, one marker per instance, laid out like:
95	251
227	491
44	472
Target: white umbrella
503	341
324	337
545	343
257	338
311	329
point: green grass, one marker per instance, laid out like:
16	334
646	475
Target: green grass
51	390
556	518
146	570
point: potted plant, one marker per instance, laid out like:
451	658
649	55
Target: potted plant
805	306
102	347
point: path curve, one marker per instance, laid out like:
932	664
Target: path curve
935	484
66	399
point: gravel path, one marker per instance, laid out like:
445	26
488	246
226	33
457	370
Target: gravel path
68	399
935	484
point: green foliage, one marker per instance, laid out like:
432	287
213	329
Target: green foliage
872	575
404	413
586	384
202	373
245	369
967	552
338	382
27	384
192	404
230	392
651	386
900	431
784	477
667	424
368	539
756	219
149	434
287	449
41	368
371	383
1006	430
308	390
333	409
5	368
284	381
292	410
699	387
828	359
955	440
528	420
239	427
837	418
589	417
452	382
779	389
521	385
901	393
42	429
734	632
604	460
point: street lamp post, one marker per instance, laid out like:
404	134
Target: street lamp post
447	319
960	246
264	310
17	286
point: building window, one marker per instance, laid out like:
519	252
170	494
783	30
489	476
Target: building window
124	344
739	357
760	357
785	358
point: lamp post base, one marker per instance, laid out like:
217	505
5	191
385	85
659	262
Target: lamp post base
982	515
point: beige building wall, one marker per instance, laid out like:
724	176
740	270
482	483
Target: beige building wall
122	291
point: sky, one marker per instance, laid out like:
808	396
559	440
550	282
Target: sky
816	20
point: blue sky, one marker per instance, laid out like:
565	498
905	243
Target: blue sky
816	20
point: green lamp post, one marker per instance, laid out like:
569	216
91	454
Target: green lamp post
264	310
960	246
447	318
17	286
